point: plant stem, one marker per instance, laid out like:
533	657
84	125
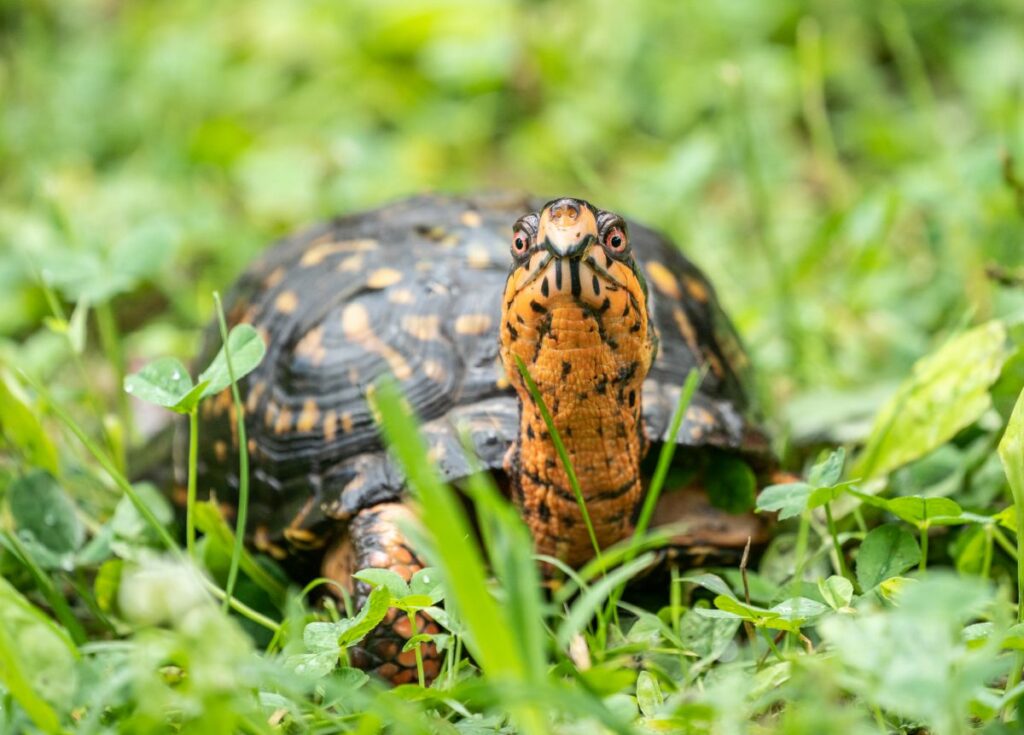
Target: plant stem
923	566
840	559
243	460
193	460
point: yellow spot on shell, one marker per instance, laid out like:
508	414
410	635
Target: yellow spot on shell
220	450
355	322
286	302
696	289
253	399
308	418
686	330
472	324
311	346
330	425
274	278
284	422
471	219
663	280
400	296
383	277
351	264
434	370
270	415
346	422
422	326
318	251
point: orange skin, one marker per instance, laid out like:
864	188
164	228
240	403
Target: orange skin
575	313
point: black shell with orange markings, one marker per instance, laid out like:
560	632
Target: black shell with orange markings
414	289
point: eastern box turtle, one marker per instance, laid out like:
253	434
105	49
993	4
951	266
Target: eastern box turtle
609	318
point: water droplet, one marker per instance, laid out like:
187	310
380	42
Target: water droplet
175	375
49	519
129	388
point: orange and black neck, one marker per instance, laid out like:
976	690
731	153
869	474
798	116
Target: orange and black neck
575	313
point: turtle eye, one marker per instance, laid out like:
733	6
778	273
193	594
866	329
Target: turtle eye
615	241
520	243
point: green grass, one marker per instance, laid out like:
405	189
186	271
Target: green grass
848	174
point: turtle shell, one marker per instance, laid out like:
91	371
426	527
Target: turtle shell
414	289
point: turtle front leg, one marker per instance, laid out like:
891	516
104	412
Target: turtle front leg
374	539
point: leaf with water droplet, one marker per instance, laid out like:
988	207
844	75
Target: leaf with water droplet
40	507
166	383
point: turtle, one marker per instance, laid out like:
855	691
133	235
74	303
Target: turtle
444	293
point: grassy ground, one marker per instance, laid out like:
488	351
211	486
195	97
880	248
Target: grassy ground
844	171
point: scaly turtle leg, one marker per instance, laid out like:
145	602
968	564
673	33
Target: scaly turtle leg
374	539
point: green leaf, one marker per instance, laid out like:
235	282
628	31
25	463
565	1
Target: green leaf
353	630
916	509
40	507
792	499
710	582
21	427
788	499
427	582
165	382
385	578
837	592
648	694
247	351
321	636
887	551
947	392
827	472
413	602
108	580
416	640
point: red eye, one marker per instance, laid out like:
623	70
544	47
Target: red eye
615	240
519	243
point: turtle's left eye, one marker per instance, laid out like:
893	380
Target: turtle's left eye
520	243
615	241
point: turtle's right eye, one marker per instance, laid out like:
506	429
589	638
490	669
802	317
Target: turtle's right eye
520	243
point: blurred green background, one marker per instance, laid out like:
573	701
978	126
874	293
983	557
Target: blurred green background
837	167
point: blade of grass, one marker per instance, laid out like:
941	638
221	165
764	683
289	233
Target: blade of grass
584	608
457	557
668	450
562	453
243	460
510	551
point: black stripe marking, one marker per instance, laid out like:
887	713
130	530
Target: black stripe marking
558	275
574	275
597	286
538	308
544	286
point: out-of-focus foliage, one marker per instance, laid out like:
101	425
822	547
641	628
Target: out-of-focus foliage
835	166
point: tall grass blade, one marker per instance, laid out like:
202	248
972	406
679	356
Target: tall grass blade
562	453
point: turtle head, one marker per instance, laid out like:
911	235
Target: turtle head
575	312
569	252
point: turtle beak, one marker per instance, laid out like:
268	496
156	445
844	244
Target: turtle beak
567	227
